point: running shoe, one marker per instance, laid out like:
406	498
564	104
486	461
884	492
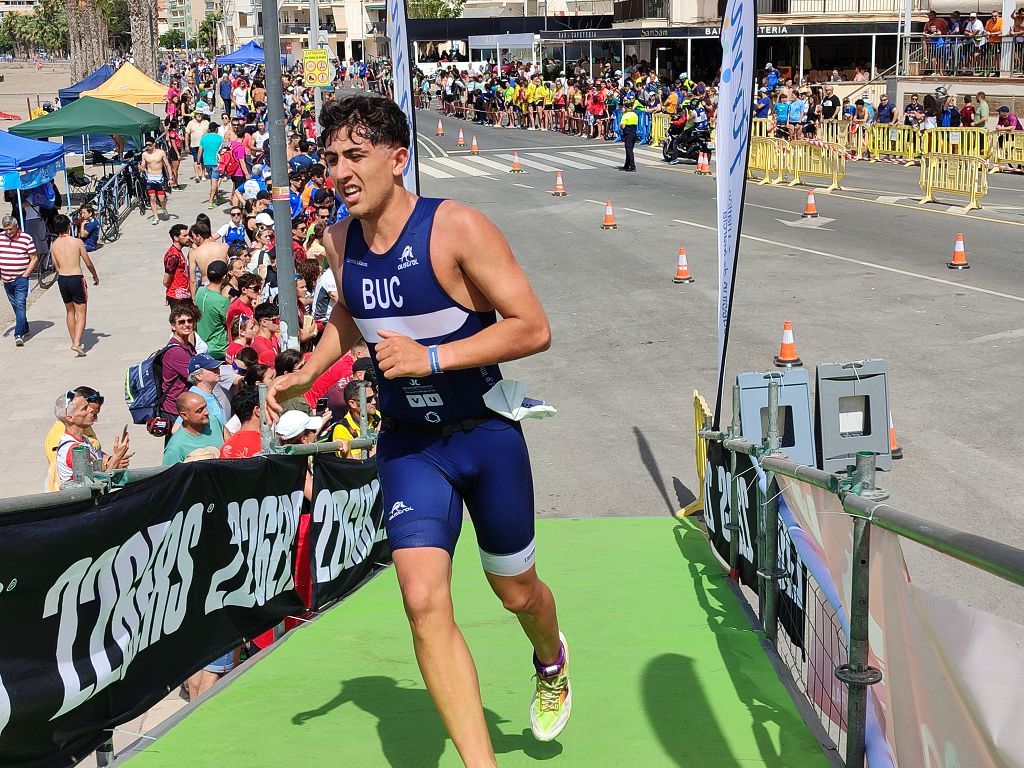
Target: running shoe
552	702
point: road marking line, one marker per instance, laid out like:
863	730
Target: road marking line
514	184
998	336
561	159
634	210
469	170
487	163
530	163
431	171
598	202
439	150
621	156
872	265
592	157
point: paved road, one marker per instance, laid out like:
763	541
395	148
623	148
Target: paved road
868	281
629	346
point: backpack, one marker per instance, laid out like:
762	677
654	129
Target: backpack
228	165
143	387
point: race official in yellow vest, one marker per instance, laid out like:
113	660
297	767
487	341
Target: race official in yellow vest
628	124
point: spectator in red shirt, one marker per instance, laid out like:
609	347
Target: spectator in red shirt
243	328
266	342
337	375
967	111
180	350
249	288
176	268
246	441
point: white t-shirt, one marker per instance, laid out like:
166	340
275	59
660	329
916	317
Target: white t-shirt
240	97
65	470
323	304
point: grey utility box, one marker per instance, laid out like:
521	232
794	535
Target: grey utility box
852	413
795	427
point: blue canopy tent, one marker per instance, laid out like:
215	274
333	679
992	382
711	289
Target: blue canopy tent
72	92
250	53
28	163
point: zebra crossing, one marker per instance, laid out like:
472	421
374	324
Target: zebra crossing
546	161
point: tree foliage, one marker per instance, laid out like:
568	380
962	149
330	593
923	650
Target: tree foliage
46	27
172	38
435	9
206	33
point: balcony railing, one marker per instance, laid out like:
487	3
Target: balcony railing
839	7
955	56
301	28
377	29
629	10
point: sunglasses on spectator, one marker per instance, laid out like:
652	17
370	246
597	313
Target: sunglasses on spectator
95	397
369	399
184	321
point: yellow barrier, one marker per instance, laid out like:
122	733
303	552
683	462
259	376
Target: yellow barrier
972	142
659	128
898	141
761	128
769	157
701	419
826	161
955	175
835	132
1007	147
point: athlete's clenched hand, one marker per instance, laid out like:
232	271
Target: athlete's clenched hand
399	356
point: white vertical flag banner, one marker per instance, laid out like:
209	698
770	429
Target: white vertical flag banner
401	77
732	146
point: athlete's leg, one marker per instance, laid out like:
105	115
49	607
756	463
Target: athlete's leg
69	308
80	314
531	601
424	575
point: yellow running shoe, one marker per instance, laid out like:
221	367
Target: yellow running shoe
552	703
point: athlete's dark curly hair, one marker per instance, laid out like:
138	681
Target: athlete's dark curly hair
378	120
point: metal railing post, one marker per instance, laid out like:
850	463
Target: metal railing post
769	572
105	753
733	526
266	428
857	674
363	418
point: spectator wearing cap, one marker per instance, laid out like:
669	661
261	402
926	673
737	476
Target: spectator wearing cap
204	376
771	77
762	104
198	430
1007	120
209	147
76	412
296	182
317	181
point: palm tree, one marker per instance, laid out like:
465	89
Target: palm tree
142	16
206	34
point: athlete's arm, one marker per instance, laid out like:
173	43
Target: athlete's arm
339	336
485	258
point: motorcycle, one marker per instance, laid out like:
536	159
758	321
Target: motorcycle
689	147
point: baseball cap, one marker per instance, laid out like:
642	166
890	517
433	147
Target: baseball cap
361	364
250	189
265	219
768	65
202	361
1003	109
264	195
294	423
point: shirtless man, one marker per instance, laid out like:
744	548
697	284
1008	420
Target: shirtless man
204	250
153	165
68	254
442	271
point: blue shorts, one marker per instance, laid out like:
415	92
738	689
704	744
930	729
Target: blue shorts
425	479
223	664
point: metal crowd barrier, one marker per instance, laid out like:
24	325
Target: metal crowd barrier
827	161
835	132
659	128
761	128
863	502
955	141
961	175
902	142
770	157
1006	148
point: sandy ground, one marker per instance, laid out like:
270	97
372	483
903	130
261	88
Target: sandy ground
23	81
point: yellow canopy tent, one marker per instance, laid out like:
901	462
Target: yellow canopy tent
129	86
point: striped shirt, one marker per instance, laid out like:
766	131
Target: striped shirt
15	255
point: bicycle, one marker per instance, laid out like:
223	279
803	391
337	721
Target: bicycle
46	274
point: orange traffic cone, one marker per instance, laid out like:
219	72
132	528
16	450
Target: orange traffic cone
787	357
959	255
682	269
440	127
810	210
473	148
703	165
516	168
894	447
559	190
609	217
461	142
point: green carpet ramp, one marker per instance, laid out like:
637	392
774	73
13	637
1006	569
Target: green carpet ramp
665	668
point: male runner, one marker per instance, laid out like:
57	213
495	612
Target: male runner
153	164
422	280
68	254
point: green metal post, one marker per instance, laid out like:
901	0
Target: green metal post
363	418
857	674
733	526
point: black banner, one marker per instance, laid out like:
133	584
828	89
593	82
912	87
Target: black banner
347	540
109	604
717	480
